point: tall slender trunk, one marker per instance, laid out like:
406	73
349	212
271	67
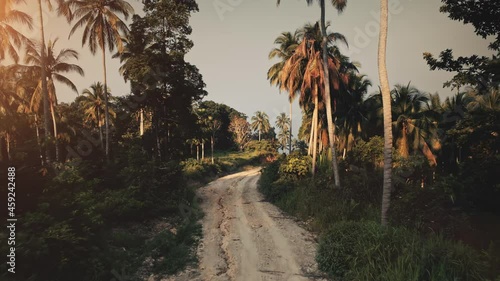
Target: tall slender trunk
290	140
202	150
386	102
311	135
99	124
7	142
329	113
212	142
259	134
403	143
315	135
45	91
197	152
141	125
54	125
40	151
106	105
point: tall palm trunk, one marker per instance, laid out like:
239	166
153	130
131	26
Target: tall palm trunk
141	125
45	91
40	151
202	150
212	142
329	116
54	125
311	135
99	124
403	143
259	134
290	140
106	113
386	102
315	134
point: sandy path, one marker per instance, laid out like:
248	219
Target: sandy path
248	239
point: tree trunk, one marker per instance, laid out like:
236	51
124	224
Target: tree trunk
45	91
259	134
202	150
197	152
99	124
7	145
329	113
40	151
315	135
54	124
403	143
141	126
212	142
106	109
290	143
311	135
386	102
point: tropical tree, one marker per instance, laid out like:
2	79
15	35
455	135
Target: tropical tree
339	5
387	112
103	29
352	113
55	68
10	38
303	72
260	123
414	124
92	102
283	123
241	131
287	43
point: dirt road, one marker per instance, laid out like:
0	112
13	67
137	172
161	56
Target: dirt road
246	238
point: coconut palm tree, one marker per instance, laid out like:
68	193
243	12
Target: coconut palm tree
287	43
103	29
387	112
10	38
260	123
55	68
414	124
303	72
283	123
352	114
339	6
92	102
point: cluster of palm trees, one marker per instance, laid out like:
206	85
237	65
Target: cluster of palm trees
102	29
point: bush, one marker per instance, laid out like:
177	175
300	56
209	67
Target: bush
369	251
295	167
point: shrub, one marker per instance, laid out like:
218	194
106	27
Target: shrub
295	167
369	251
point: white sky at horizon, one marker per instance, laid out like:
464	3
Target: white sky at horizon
231	47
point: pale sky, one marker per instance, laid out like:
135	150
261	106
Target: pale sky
232	39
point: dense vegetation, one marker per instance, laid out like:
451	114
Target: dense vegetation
106	185
444	212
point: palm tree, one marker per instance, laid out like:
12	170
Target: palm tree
260	123
284	123
287	43
386	101
103	29
55	67
303	72
339	5
92	102
415	125
353	110
10	38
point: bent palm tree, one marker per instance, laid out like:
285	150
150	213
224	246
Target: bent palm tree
103	29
